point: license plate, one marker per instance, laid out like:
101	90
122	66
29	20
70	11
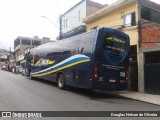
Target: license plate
112	81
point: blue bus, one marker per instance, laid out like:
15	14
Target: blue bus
94	60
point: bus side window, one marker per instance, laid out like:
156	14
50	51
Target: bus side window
66	52
71	45
86	43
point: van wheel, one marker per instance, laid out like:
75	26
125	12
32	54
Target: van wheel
61	82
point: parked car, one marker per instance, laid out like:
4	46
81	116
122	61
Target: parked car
19	69
23	72
4	67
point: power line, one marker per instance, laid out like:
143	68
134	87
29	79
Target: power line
59	8
50	21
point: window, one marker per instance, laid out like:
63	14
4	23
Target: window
65	23
129	20
145	13
150	14
86	43
36	43
79	16
115	44
71	44
26	42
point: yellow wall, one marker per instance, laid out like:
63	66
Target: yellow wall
115	19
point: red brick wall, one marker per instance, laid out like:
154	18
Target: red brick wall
150	36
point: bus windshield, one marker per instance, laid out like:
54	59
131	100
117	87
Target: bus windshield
115	44
115	48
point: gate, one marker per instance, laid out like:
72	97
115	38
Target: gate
152	72
152	78
134	76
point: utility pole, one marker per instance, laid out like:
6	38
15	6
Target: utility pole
60	27
0	58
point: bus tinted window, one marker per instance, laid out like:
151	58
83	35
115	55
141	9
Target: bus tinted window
71	44
86	43
115	43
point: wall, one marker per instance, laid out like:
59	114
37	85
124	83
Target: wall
20	49
3	56
45	40
150	41
92	7
72	17
115	20
150	33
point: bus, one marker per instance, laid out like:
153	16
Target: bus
93	60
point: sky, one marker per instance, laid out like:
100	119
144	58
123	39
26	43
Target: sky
24	18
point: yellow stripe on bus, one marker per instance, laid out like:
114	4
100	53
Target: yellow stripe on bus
67	66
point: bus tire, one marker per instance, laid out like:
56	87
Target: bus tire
30	76
61	82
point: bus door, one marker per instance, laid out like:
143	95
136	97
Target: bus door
35	61
109	64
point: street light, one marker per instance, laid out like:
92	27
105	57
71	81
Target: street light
50	21
60	28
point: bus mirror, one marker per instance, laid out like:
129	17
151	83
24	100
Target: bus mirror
82	50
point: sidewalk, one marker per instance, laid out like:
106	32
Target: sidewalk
149	98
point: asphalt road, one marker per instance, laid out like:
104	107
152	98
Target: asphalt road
19	93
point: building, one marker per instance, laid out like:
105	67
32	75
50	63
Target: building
4	56
21	44
140	19
45	40
71	22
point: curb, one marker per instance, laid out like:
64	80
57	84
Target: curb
134	96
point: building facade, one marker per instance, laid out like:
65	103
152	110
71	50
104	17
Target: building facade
4	57
21	44
137	18
149	54
71	22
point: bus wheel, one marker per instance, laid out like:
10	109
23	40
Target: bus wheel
30	76
61	81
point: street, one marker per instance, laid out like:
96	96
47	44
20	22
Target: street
19	93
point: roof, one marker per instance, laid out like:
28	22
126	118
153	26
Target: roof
3	50
107	10
92	3
73	7
95	4
27	38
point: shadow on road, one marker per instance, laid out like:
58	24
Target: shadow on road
92	94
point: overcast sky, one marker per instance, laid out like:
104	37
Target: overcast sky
24	18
